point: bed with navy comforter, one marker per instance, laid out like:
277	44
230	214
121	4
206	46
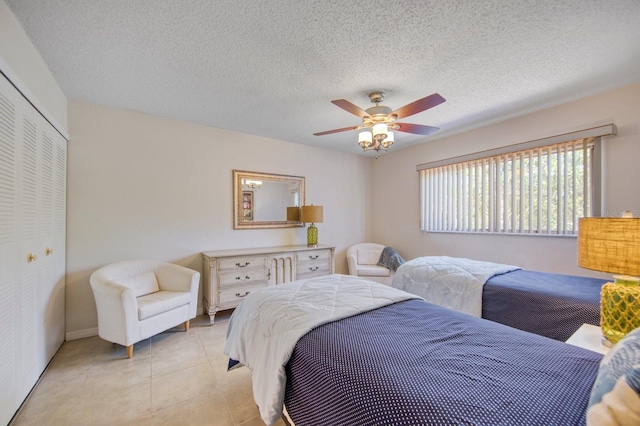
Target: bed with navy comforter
551	305
399	360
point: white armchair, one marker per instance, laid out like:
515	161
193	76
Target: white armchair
139	299
362	260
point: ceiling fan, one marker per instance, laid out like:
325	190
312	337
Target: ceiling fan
380	119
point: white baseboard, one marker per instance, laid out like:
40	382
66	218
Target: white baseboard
81	334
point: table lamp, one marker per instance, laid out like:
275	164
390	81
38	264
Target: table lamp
612	245
311	214
293	214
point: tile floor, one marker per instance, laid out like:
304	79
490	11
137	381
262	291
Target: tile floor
174	378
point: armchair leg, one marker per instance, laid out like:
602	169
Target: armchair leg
129	351
186	325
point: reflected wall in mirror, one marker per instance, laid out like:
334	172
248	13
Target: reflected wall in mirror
260	200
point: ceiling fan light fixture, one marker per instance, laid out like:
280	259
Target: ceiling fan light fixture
388	141
379	120
380	130
365	139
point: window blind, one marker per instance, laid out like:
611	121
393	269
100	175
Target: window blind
540	189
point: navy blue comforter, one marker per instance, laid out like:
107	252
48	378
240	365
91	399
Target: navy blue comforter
552	305
415	363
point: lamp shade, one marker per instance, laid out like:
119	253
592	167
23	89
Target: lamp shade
610	245
379	129
389	139
311	214
364	138
293	214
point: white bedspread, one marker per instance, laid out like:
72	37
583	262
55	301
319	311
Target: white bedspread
265	328
451	282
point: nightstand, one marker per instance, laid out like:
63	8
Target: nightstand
590	337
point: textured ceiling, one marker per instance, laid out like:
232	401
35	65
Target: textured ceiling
271	68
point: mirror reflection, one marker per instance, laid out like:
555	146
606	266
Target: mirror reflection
261	199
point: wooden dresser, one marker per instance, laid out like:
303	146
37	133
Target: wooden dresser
230	275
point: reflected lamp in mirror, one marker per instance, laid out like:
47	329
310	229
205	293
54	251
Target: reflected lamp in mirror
311	214
251	184
612	245
259	199
293	214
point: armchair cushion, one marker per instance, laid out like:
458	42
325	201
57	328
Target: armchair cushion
161	301
372	271
142	284
368	256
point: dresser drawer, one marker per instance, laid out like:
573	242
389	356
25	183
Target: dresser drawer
238	277
240	263
311	255
232	296
313	268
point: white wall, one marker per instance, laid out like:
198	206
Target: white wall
22	63
395	198
147	187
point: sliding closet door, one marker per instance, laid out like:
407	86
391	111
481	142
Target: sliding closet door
8	253
27	224
51	256
32	246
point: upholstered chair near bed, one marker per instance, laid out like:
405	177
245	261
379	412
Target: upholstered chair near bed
139	299
362	260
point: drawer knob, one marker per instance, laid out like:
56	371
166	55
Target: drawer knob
246	277
242	295
314	257
31	258
314	268
242	266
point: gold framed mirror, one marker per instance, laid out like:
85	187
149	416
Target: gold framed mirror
260	200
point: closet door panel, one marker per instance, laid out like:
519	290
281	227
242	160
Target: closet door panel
52	231
57	327
8	254
28	210
46	278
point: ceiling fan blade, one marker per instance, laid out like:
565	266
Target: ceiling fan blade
344	129
419	106
349	107
417	129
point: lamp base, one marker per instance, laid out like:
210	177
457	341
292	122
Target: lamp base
312	236
619	310
606	342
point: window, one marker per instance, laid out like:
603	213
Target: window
538	187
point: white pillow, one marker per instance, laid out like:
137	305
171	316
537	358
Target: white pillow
142	284
368	257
